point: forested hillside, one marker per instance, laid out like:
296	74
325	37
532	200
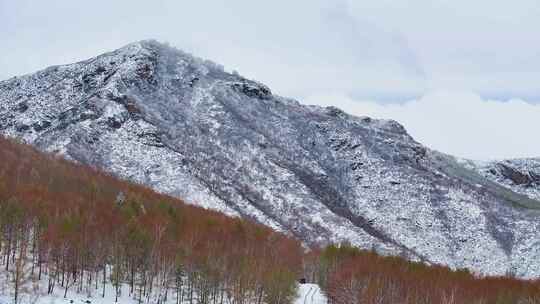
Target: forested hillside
348	275
69	229
79	229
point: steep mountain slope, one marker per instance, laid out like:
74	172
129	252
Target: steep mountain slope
184	126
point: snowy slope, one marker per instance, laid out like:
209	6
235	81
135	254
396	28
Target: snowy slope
36	293
181	125
40	296
307	294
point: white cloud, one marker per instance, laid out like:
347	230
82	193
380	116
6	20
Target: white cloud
458	123
480	45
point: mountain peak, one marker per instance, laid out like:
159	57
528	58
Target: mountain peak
146	46
160	117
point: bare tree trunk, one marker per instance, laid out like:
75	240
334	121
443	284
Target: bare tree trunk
104	279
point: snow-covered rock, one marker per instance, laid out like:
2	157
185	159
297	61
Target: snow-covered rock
519	175
184	126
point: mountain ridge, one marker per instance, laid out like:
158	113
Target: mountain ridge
183	126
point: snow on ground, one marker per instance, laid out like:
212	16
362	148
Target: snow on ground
77	298
310	294
35	292
306	294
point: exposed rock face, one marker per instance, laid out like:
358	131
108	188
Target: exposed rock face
512	174
519	175
183	126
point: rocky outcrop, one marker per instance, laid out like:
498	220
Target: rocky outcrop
517	177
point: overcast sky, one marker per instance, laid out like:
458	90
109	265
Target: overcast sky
462	76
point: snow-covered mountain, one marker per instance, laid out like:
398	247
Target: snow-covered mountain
181	125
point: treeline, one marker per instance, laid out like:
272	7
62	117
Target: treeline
348	275
72	228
